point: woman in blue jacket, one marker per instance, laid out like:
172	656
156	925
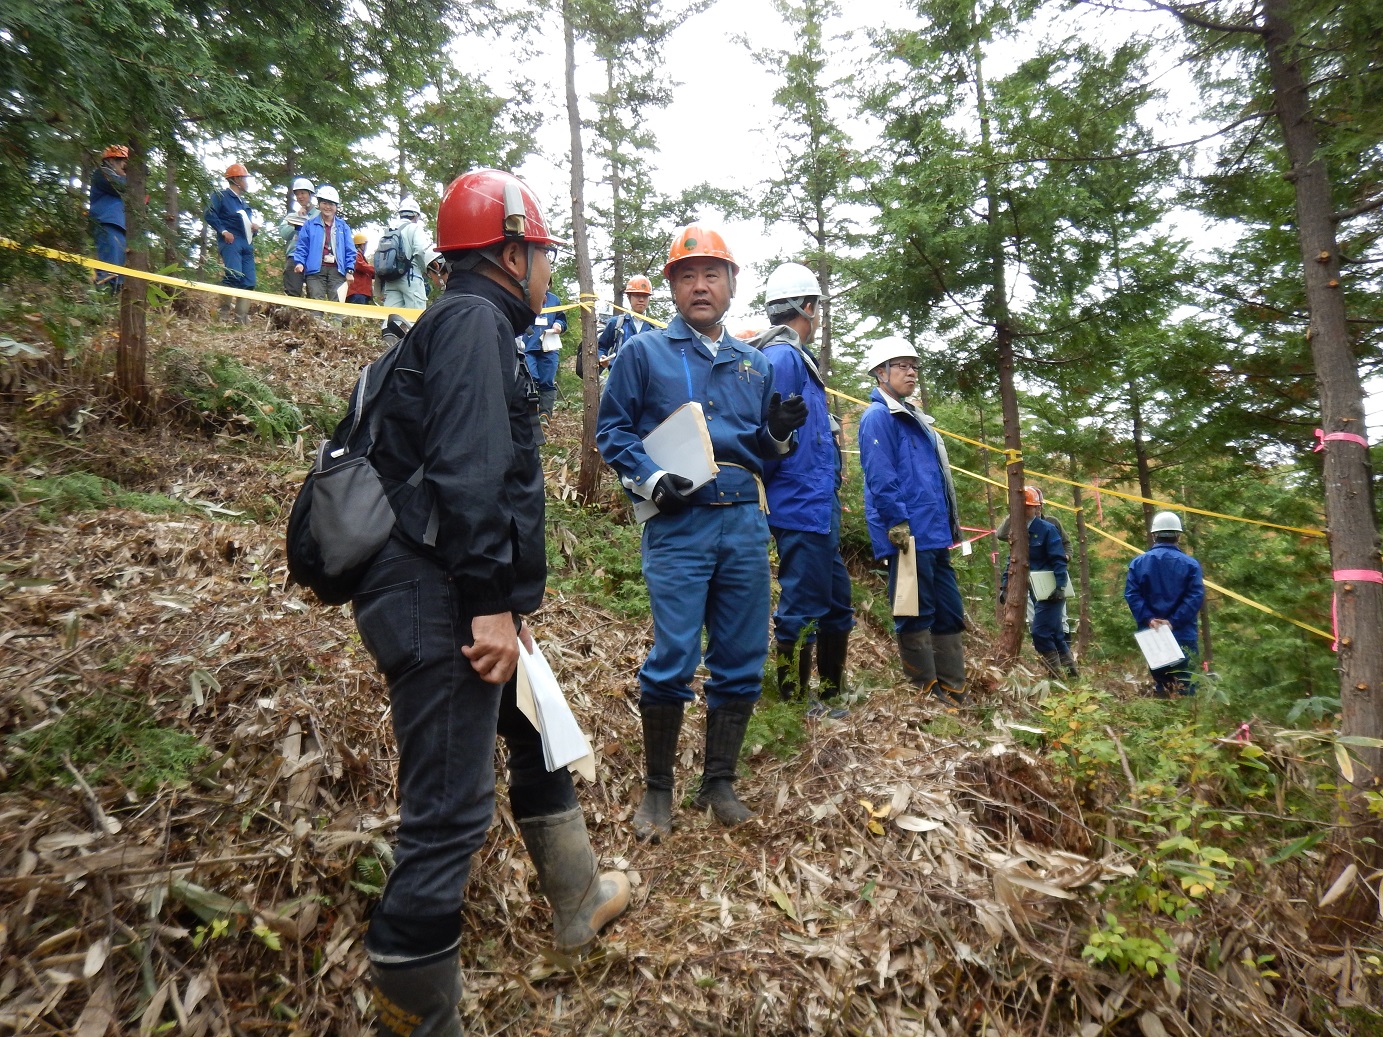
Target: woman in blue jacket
908	493
325	251
107	208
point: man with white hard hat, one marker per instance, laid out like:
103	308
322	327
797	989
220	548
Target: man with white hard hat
814	613
300	210
909	497
404	286
1165	588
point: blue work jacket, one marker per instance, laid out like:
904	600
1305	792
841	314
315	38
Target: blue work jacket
308	250
223	213
107	198
618	330
1166	583
1046	551
662	369
801	486
533	337
907	476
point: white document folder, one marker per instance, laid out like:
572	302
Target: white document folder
540	699
681	444
1159	647
1042	582
905	584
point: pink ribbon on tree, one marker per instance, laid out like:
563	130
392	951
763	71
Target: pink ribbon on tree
1322	438
1346	576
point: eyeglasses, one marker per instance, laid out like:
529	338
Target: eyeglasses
551	252
903	365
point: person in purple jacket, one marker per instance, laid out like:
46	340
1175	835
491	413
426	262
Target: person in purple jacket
1165	588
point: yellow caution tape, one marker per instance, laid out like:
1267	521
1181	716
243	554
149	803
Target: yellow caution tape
1014	456
346	309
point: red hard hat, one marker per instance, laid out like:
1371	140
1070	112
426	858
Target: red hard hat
639	285
487	206
236	169
695	240
1032	496
116	151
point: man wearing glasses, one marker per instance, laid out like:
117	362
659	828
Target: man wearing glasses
908	494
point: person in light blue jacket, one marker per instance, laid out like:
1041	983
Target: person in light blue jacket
705	549
908	493
107	210
814	610
325	252
1165	587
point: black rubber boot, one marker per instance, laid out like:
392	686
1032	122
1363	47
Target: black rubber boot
547	400
1069	662
790	687
662	724
832	647
1052	661
583	899
417	1001
919	663
725	728
949	653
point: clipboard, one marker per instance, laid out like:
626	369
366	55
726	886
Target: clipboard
1042	582
1159	646
681	445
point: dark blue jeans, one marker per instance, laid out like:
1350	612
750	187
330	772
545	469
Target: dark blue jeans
939	608
110	248
543	367
813	583
1048	630
445	720
238	261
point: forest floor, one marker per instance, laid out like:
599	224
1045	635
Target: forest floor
197	795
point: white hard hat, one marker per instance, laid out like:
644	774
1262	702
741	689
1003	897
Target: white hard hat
302	183
327	193
408	205
1166	522
890	347
791	281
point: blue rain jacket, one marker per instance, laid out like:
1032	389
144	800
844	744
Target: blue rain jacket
308	250
618	330
1166	583
802	486
1046	552
662	369
107	198
907	477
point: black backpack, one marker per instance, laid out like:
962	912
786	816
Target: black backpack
391	261
342	517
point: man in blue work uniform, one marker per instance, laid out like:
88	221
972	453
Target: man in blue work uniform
235	224
542	345
814	610
621	328
705	551
908	493
107	209
1165	588
1046	553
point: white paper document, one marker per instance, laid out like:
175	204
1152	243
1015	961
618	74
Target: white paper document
905	584
1159	647
1042	582
681	444
540	699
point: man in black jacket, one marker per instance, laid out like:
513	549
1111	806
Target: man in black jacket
441	609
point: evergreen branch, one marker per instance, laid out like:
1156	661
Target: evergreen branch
1202	22
1137	152
941	283
1376	202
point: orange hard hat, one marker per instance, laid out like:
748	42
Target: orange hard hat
695	240
236	169
1032	496
639	285
116	151
487	206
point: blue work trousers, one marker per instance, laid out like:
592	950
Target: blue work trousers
939	607
238	259
1048	625
706	568
1178	678
813	584
110	248
445	720
543	367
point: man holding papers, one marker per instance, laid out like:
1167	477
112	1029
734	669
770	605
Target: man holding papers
1165	589
441	605
1047	564
705	547
910	505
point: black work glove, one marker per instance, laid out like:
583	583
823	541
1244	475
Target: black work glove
785	416
1003	596
670	495
1056	595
